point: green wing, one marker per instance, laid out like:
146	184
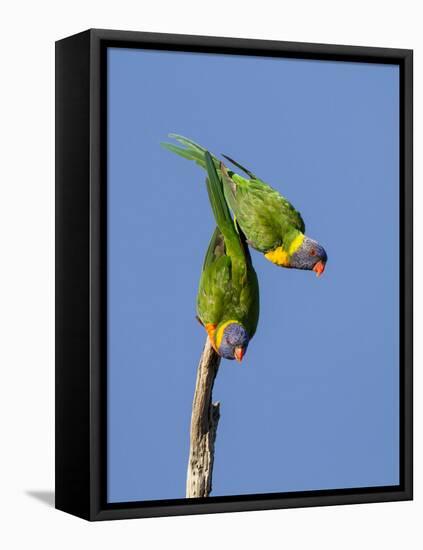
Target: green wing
250	292
215	281
267	219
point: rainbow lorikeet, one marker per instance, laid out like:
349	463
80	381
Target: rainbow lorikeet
269	221
228	294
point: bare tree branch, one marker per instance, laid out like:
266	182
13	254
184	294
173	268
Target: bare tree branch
204	420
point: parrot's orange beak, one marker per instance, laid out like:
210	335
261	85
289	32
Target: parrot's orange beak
239	354
319	268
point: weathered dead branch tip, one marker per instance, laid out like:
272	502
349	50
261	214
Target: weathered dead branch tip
204	421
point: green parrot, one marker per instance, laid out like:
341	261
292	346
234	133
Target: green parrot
269	221
228	294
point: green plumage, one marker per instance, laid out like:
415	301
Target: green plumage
228	287
267	219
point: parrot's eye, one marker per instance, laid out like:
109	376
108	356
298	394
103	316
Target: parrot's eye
312	252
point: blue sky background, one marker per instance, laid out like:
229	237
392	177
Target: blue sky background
314	404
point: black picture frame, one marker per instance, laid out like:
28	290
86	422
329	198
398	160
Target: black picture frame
81	239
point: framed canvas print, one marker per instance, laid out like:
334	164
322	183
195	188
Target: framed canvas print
233	274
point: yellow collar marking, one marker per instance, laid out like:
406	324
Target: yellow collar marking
219	332
280	256
296	243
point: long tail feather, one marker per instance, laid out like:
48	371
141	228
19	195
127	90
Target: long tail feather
235	163
235	246
217	198
190	151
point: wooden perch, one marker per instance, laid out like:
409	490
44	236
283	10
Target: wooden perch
204	419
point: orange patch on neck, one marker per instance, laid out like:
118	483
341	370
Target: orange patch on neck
211	331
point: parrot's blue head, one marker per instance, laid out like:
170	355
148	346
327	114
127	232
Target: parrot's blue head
231	340
309	255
